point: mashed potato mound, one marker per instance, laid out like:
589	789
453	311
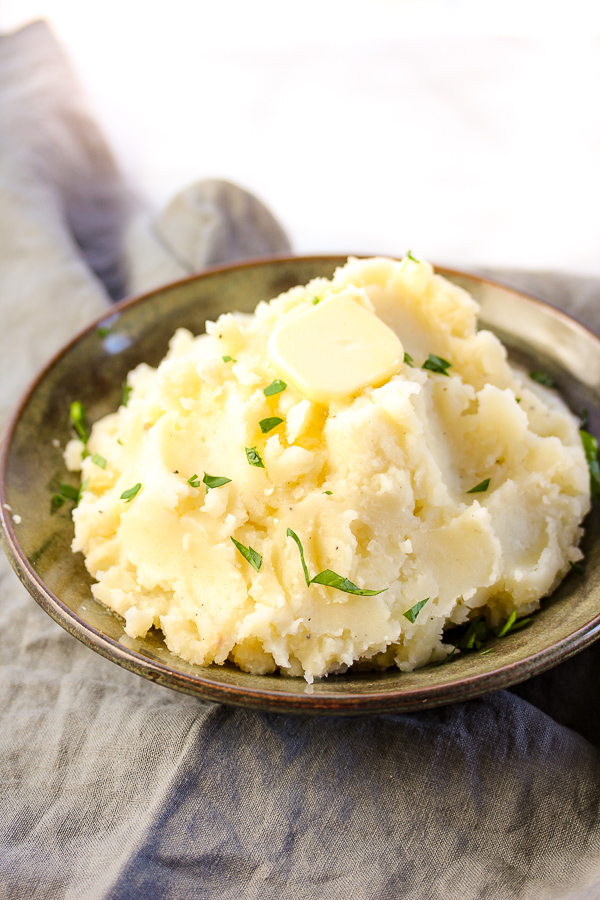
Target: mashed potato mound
376	487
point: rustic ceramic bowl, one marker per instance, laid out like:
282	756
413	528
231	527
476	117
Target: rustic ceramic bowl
92	368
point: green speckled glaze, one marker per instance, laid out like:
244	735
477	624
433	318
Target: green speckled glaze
92	368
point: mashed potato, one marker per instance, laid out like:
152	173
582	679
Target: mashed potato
376	488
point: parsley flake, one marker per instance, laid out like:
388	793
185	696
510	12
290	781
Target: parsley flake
228	359
476	634
214	481
590	448
590	444
125	392
436	364
585	419
130	493
481	487
254	558
518	399
332	579
254	457
316	300
577	567
412	613
77	416
511	624
275	388
69	492
295	537
449	657
99	460
409	255
103	331
408	360
194	481
267	425
542	378
328	492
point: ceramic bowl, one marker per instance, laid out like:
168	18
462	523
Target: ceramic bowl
92	367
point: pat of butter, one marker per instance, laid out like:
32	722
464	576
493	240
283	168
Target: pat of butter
335	349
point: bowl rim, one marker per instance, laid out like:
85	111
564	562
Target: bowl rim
332	702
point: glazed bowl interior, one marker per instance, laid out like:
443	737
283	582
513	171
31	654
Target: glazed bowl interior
92	369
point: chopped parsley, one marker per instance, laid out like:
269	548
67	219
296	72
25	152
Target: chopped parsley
590	444
412	613
316	300
449	657
585	419
408	360
103	331
228	359
577	567
214	481
125	392
130	493
409	255
99	460
590	448
329	578
436	364
295	537
267	425
254	558
328	492
211	481
542	378
332	579
481	487
275	388
254	457
475	635
77	416
511	624
69	492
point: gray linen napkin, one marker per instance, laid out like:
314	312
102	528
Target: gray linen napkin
114	787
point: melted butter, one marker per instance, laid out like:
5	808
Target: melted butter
335	349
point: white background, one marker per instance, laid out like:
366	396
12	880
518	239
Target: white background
466	131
